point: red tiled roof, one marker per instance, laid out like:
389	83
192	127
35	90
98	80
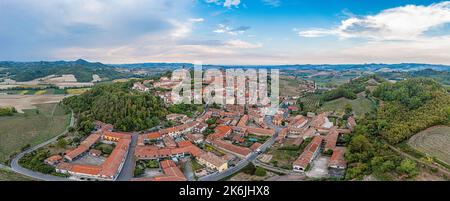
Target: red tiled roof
331	139
184	143
244	151
259	131
337	158
255	146
305	158
111	166
86	169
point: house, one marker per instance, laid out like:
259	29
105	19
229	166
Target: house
169	141
53	160
260	131
282	135
238	150
309	154
148	138
140	87
337	164
195	138
298	121
83	147
293	108
321	121
221	131
170	170
213	161
114	136
331	139
255	146
200	128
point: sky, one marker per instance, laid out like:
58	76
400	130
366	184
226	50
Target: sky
236	32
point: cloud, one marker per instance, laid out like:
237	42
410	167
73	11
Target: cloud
232	31
196	20
273	3
225	3
401	23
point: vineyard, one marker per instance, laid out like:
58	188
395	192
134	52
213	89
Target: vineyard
311	102
434	142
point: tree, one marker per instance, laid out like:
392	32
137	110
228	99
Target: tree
61	143
348	109
260	172
408	166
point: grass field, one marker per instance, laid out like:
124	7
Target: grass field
6	175
289	86
434	141
40	92
32	127
360	106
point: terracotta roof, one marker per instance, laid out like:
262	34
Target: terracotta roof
86	169
337	158
111	166
116	135
184	143
220	132
53	158
331	139
76	152
244	151
213	159
306	157
243	121
259	131
255	146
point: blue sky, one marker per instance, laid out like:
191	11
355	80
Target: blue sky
226	31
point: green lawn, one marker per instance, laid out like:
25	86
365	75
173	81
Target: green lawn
360	106
32	127
6	175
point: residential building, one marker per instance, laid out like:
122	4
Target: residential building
309	154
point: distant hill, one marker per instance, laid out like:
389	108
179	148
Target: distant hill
81	69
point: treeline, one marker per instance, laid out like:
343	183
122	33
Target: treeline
81	69
7	111
351	89
411	106
115	104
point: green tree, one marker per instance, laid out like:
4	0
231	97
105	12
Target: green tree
260	172
408	166
61	143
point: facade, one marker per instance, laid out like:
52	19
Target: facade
212	161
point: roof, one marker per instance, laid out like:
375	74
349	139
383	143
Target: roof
259	131
306	157
76	152
331	139
184	143
86	169
243	121
90	140
220	132
116	135
53	158
213	159
112	164
244	151
337	158
255	146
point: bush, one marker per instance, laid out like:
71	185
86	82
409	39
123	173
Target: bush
260	172
408	166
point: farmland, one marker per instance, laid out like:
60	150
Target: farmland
434	142
32	127
311	102
23	102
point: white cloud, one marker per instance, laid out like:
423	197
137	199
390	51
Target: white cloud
196	20
401	23
225	3
229	30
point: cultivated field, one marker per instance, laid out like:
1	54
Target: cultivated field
434	141
23	102
32	127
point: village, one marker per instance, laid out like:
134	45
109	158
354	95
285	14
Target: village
213	145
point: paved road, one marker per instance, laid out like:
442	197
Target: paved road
274	169
127	171
188	172
15	166
244	162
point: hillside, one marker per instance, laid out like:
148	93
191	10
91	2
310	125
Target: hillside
114	103
81	69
